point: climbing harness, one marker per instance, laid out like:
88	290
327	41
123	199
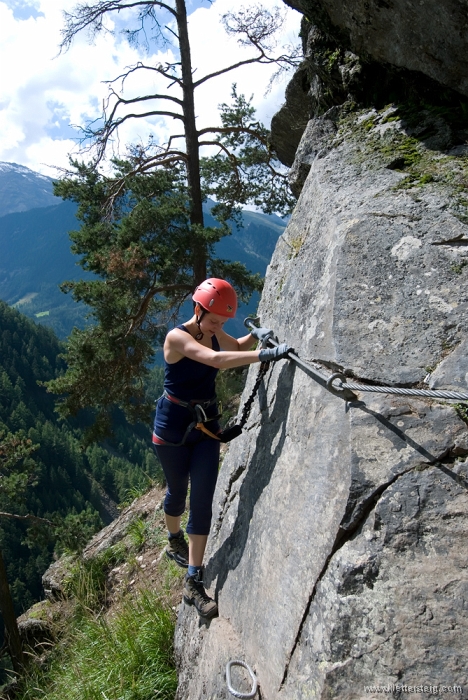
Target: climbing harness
338	384
237	693
198	410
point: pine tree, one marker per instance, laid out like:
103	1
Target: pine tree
143	231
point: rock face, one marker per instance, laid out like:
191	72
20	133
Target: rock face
338	547
430	37
289	123
373	54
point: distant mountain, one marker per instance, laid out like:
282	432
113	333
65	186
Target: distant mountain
22	189
35	256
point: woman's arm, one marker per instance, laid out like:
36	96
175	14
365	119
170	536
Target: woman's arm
227	342
179	344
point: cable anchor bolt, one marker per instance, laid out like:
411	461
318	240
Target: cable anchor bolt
340	390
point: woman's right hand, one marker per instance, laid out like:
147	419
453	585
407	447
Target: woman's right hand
274	354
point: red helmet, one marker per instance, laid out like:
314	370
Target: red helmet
216	296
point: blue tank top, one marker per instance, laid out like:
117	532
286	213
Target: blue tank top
186	380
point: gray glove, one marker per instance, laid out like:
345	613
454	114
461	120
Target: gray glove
274	354
262	334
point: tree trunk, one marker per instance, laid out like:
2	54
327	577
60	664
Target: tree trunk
191	140
9	620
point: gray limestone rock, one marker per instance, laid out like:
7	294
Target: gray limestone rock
53	580
313	145
338	546
430	37
117	530
288	124
452	373
35	633
391	608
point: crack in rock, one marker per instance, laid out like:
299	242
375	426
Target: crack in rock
236	474
343	536
457	241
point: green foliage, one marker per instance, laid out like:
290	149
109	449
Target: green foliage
86	579
127	658
16	470
137	532
58	480
137	237
457	268
462	411
244	171
229	386
75	530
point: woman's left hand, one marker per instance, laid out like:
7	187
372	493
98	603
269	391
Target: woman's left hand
262	334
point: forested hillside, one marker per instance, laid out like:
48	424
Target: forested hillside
68	480
36	258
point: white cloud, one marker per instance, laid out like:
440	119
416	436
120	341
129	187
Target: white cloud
42	93
213	49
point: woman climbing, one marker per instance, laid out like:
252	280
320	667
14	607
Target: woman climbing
192	359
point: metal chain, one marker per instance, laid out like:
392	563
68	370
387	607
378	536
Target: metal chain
263	369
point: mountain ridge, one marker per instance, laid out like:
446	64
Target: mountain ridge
22	189
36	254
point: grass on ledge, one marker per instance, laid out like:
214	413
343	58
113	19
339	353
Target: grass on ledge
129	657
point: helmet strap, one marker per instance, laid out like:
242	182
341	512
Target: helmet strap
199	335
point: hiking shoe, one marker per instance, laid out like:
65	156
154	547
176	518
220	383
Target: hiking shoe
195	594
177	549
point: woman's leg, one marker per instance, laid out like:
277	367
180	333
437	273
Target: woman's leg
204	465
172	523
175	462
197	545
203	475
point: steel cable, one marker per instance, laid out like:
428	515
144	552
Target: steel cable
399	391
339	385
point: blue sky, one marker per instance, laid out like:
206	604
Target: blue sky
44	96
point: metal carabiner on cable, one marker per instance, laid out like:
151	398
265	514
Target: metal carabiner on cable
237	693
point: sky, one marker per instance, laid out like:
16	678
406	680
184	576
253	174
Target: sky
45	95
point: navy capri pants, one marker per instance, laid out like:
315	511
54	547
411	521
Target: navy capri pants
197	462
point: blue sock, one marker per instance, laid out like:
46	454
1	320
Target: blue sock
170	535
193	570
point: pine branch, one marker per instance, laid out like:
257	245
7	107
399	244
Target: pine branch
104	134
234	130
34	518
165	72
234	66
134	100
143	98
91	16
140	315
